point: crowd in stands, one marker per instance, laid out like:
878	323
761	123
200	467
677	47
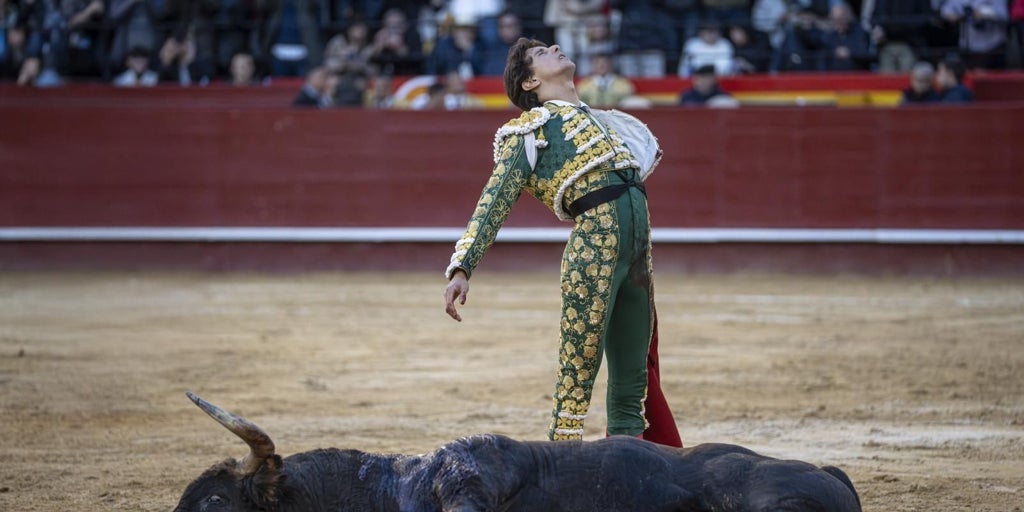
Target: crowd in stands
946	85
348	49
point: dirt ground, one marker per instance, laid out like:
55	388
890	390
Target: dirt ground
913	386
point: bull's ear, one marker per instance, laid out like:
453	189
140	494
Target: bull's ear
263	488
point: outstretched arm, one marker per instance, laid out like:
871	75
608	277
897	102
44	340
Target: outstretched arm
496	200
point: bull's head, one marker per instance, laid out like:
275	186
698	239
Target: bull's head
249	484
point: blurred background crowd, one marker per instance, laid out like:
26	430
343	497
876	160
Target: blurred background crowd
353	46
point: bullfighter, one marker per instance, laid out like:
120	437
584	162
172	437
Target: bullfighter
588	167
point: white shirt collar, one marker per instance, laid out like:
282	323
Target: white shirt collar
563	103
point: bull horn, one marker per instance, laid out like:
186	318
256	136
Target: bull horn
260	446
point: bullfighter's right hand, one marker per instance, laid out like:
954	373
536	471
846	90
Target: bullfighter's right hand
458	288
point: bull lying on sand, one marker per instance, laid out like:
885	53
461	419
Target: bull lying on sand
494	473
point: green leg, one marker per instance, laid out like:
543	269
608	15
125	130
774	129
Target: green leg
605	306
630	323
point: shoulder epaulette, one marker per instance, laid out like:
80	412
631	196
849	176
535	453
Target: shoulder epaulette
525	123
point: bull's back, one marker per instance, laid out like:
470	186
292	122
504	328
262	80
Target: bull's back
613	474
622	473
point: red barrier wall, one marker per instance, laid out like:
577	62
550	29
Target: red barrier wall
168	166
171	161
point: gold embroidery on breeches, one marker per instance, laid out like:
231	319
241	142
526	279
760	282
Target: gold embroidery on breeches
588	269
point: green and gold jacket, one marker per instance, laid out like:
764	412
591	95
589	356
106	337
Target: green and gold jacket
557	153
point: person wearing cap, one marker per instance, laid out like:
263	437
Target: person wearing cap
588	166
458	50
707	47
703	88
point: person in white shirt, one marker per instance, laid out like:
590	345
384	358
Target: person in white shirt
708	47
138	73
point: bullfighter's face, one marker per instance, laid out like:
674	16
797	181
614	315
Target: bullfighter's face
550	64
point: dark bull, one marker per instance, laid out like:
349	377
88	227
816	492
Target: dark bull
494	473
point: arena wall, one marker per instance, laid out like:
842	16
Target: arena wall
924	191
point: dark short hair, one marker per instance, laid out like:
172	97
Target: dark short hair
706	69
955	65
518	69
138	51
708	25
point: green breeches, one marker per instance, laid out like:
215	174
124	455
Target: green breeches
607	308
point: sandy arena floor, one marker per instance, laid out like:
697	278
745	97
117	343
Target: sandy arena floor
914	387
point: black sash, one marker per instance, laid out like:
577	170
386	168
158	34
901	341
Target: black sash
603	195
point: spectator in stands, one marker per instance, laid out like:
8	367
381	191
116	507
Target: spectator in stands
647	38
336	53
704	88
708	48
456	50
845	46
483	14
604	88
176	58
569	18
982	30
318	89
84	25
29	71
456	97
492	55
237	24
397	46
751	50
531	15
950	79
242	70
687	16
201	33
771	18
15	62
175	24
291	37
138	72
801	43
350	51
922	77
350	88
379	95
599	42
942	35
45	42
133	28
899	31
